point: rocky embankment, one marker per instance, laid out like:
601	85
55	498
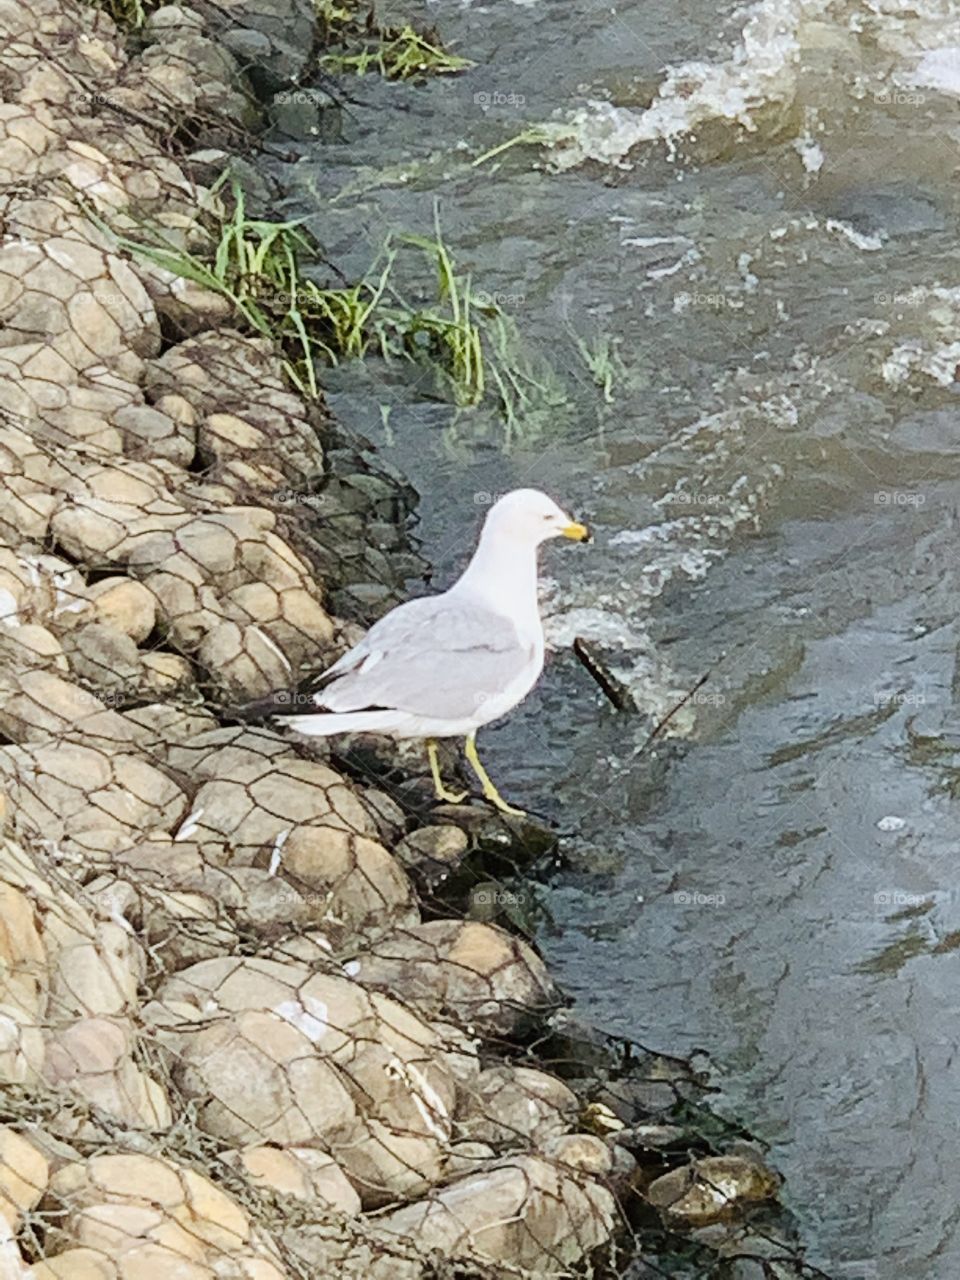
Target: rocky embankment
231	1044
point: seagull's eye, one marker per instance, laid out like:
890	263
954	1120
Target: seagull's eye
548	517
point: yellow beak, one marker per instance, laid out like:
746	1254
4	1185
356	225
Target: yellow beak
578	532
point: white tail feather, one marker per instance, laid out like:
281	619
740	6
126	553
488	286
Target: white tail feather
326	723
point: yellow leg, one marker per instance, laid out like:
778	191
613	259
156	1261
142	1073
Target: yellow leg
489	790
451	797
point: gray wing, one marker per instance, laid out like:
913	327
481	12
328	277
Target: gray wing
434	657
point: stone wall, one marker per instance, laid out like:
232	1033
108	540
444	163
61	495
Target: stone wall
230	1044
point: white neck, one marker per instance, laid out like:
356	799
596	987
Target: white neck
503	577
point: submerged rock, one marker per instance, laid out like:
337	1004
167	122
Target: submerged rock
711	1189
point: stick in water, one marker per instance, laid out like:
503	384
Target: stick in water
673	710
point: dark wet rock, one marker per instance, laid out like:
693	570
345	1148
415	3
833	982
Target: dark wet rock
899	211
653	1137
433	853
197	74
364	598
387	814
280	34
521	840
247	46
761	1257
260	189
298	113
589	858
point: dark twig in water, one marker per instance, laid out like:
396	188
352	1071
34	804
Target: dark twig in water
662	724
615	689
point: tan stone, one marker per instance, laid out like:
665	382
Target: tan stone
512	1107
525	1213
149	433
125	604
273	1054
76	1264
488	978
303	1172
711	1189
42	704
255	1078
104	658
582	1151
66	789
244	659
129	1205
92	1058
24	1172
165	672
24	976
22	1047
33	645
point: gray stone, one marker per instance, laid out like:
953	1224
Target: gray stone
287	26
168	18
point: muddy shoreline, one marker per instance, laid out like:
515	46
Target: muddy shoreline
261	1015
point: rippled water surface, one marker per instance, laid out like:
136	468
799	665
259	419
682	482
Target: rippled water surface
761	208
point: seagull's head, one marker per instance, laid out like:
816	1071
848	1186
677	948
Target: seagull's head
529	516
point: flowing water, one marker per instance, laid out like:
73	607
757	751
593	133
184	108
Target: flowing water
760	208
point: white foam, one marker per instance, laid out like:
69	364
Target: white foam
938	69
761	71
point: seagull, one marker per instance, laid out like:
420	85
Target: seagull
443	666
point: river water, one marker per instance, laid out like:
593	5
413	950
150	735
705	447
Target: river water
757	210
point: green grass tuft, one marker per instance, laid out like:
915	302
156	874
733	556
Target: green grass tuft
396	54
266	270
129	15
602	362
358	45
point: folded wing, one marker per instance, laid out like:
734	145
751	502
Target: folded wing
434	657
